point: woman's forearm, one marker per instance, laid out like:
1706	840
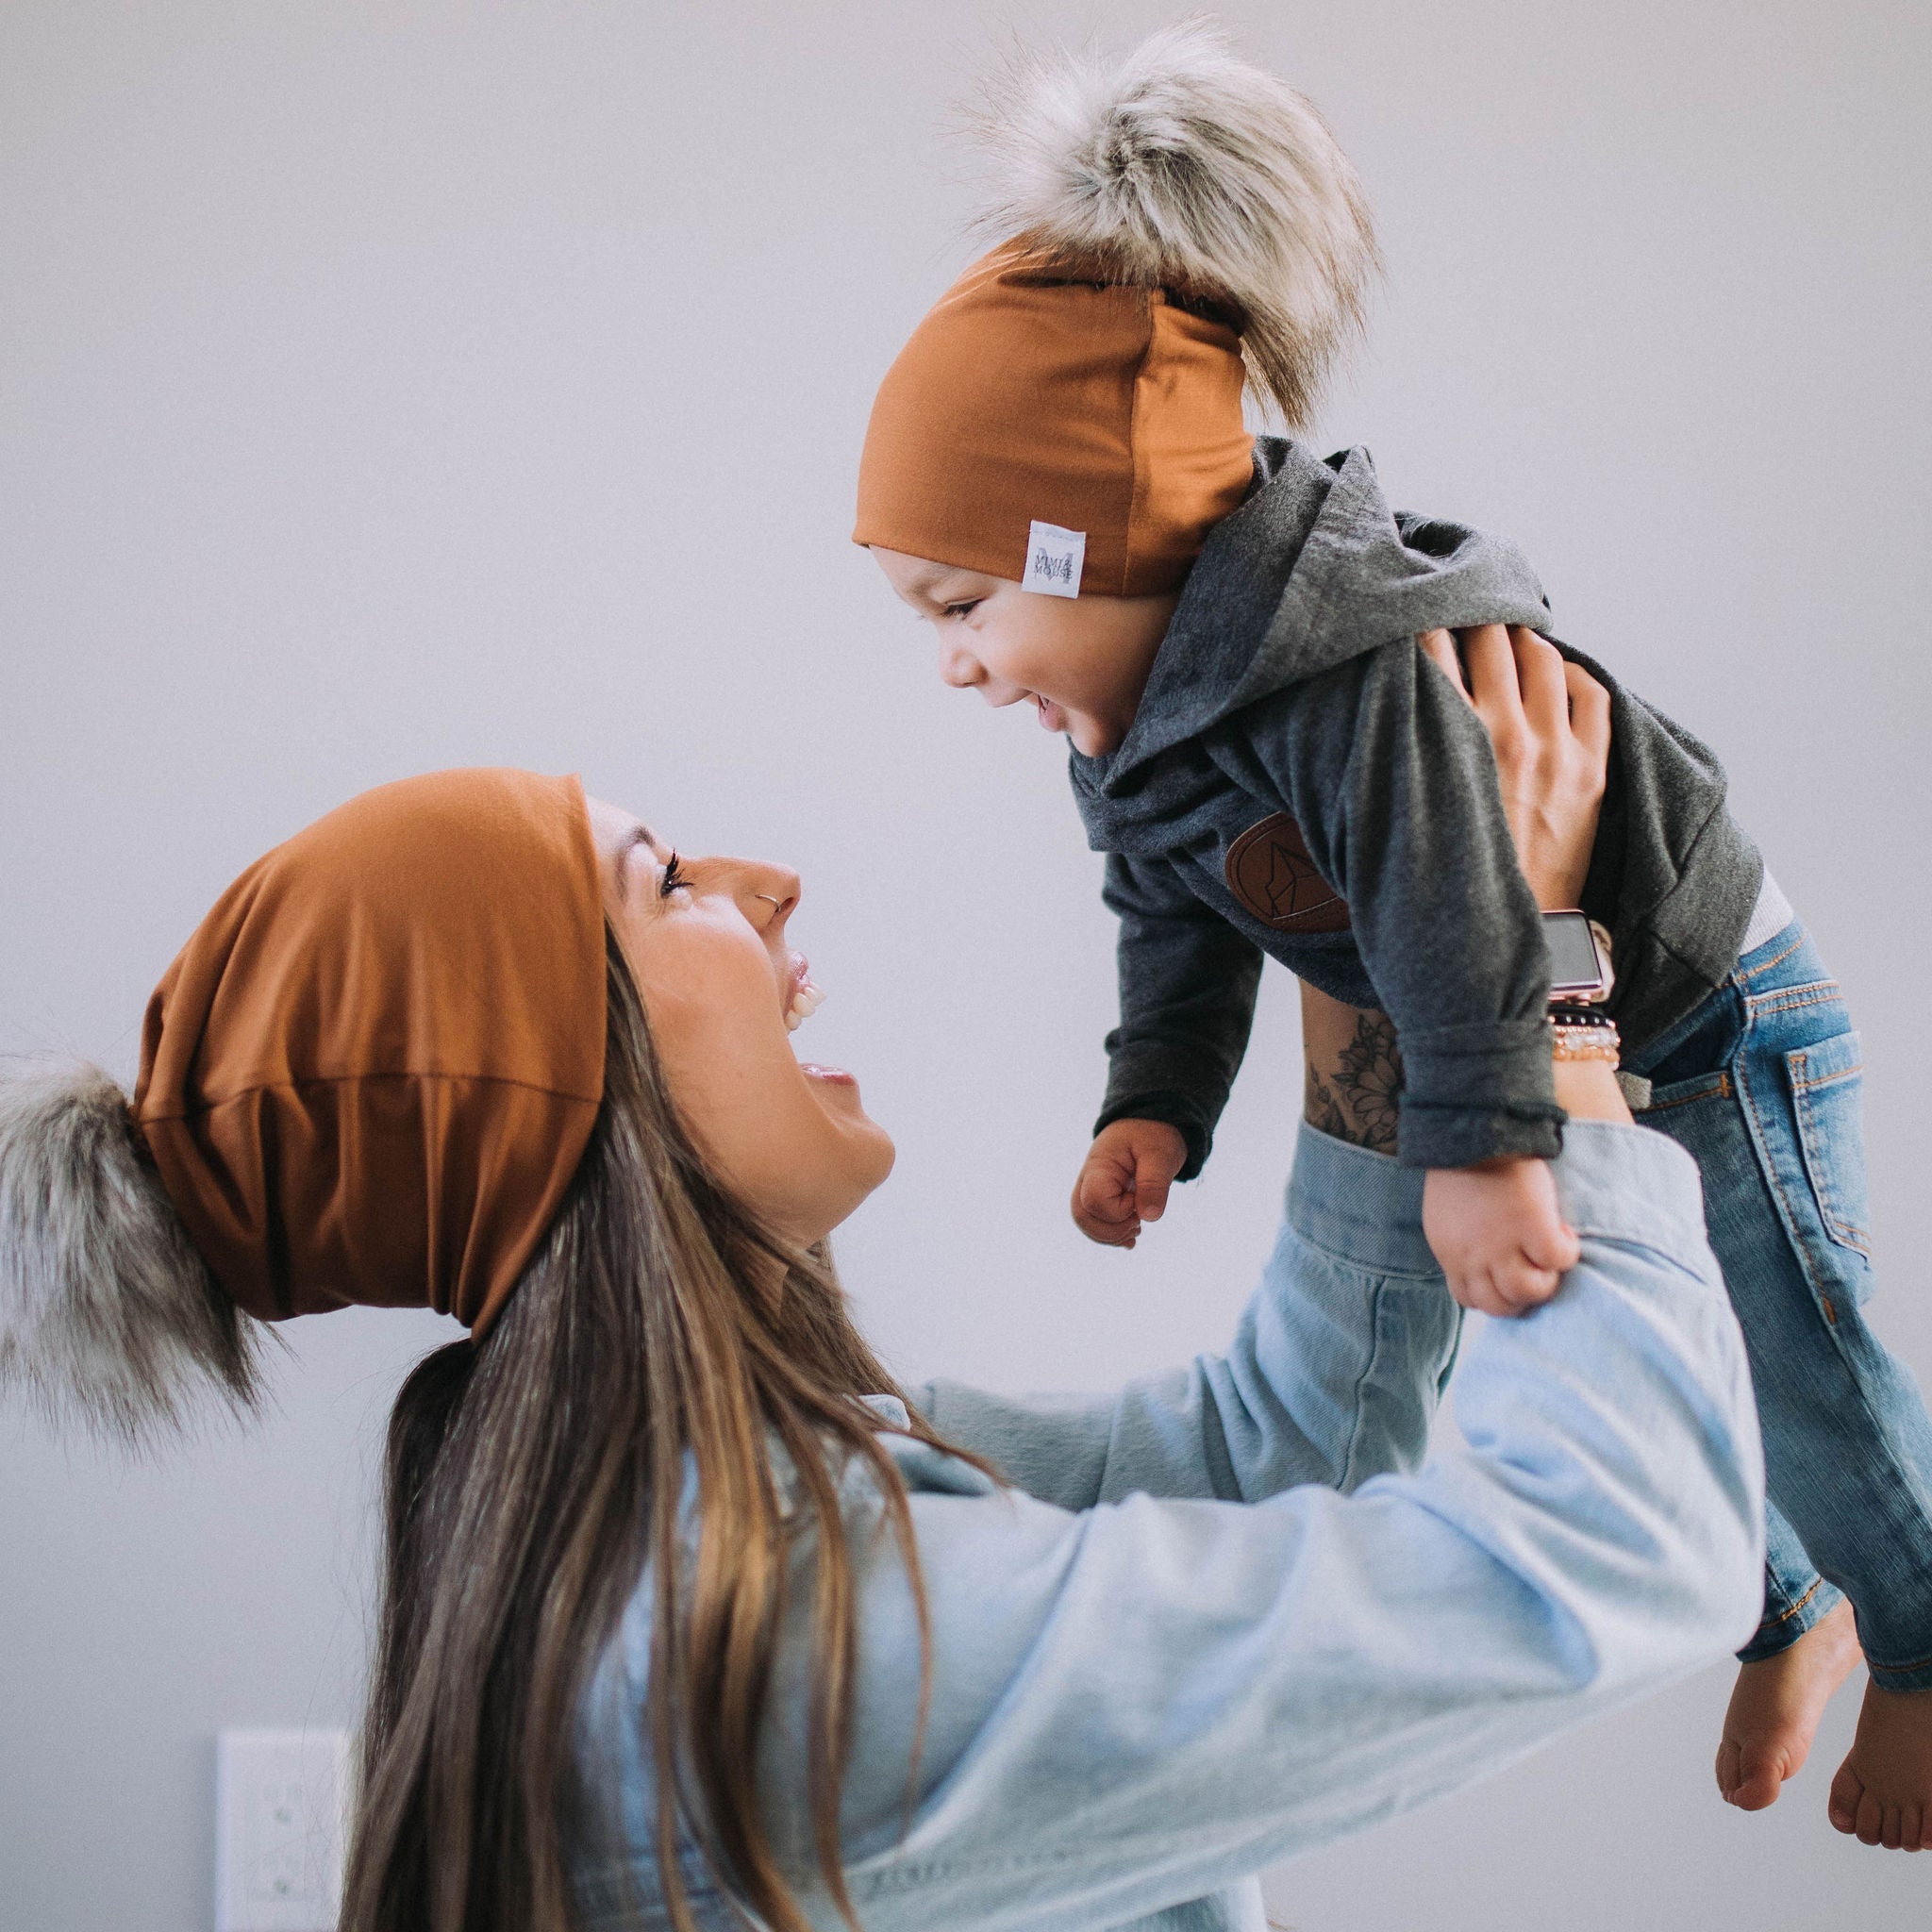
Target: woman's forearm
1330	1376
1352	1078
1333	1658
1587	1090
1549	723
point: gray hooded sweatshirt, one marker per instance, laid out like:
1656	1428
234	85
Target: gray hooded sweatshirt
1301	782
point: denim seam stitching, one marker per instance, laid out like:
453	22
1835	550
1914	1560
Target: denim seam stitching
1795	1000
1846	1232
1384	1271
1723	1090
1354	1433
1785	1616
1899	1669
1765	965
1768	1167
1811	1086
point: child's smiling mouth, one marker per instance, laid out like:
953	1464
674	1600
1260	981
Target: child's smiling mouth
1051	717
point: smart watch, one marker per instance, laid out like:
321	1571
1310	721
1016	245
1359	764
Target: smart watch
1579	949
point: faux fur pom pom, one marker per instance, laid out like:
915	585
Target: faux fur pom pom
107	1314
1181	166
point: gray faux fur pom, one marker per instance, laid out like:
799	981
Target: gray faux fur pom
1181	166
107	1314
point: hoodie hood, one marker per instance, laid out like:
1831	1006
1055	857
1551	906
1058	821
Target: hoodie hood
1313	569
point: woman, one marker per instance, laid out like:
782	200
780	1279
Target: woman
469	1042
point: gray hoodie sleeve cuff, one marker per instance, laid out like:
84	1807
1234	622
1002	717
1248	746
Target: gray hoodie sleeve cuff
1478	1092
1165	1087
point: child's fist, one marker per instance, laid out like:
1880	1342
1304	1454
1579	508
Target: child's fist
1124	1179
1497	1233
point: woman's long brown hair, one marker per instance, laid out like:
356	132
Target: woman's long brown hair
532	1481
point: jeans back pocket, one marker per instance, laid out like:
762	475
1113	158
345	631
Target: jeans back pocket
1827	1096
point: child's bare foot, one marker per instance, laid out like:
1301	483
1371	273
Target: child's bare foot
1774	1710
1883	1791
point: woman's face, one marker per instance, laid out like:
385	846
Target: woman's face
706	945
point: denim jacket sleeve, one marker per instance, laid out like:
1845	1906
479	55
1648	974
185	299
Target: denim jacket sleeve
1188	981
1136	1704
1390	776
1331	1377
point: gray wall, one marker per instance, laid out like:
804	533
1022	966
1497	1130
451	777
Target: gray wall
384	388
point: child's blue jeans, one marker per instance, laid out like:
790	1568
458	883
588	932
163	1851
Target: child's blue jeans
1760	1083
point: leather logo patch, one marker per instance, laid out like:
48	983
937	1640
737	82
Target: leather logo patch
1270	871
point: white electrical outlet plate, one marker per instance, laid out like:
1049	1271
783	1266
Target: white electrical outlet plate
282	1800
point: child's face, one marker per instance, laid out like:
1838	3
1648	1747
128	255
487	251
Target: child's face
1082	662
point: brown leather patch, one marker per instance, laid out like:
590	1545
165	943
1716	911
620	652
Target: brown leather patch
1270	871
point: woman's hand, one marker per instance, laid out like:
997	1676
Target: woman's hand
1549	720
1550	724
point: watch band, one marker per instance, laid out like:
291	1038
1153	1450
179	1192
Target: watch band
1568	1012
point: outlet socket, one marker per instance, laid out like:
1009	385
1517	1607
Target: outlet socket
281	1801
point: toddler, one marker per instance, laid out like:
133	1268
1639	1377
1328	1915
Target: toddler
1057	475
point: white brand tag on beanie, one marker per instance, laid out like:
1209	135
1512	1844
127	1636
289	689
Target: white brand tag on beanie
1054	559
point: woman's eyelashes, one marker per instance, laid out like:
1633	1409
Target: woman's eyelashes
965	608
671	879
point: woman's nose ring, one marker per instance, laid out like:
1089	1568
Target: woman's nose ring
767	895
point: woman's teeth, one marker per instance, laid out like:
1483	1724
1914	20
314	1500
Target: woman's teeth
806	1001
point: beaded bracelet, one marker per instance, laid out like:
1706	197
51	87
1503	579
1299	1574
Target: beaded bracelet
1589	1041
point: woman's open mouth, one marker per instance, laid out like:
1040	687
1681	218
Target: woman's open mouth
802	998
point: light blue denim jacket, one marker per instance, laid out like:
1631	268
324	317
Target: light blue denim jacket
1230	1612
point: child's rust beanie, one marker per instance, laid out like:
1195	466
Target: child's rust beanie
1029	398
1069	415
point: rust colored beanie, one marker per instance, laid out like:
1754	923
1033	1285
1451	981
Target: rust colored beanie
371	1074
1098	409
1070	414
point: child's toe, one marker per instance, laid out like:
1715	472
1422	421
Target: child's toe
1843	1807
1760	1777
1871	1824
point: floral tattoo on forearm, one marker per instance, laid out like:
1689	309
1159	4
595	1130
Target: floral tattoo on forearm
1361	1098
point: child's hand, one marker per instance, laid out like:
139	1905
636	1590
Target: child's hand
1497	1233
1124	1179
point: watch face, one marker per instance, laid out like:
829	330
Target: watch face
1574	966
